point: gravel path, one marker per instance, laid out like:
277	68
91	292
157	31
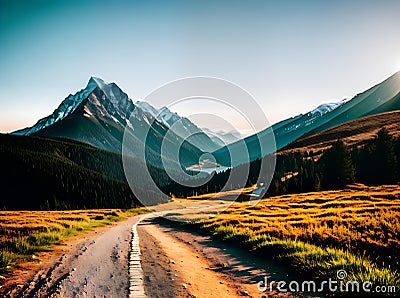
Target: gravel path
96	267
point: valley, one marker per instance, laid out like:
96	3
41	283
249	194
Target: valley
74	186
199	149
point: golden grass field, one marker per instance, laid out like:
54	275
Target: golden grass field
23	233
357	229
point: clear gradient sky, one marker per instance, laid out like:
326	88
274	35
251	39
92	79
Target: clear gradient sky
291	55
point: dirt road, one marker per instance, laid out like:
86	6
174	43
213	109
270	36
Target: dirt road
179	263
97	266
169	262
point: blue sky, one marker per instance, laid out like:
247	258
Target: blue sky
290	55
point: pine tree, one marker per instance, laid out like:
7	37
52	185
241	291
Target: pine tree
384	158
337	166
397	152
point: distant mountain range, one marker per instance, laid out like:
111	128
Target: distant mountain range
181	126
383	97
99	114
221	137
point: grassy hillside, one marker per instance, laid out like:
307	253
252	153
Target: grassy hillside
354	133
38	173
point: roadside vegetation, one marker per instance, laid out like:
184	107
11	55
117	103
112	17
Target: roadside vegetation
356	229
24	233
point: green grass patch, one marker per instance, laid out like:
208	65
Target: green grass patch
6	260
310	260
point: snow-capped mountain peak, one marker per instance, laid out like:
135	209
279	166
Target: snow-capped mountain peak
168	117
67	106
145	106
163	115
110	110
325	108
113	93
95	82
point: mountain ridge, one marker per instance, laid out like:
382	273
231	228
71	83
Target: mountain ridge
382	97
101	113
354	133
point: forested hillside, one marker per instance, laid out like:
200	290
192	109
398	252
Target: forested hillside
38	173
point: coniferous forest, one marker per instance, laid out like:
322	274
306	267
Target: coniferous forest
56	174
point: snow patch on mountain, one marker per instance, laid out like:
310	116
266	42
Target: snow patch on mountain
145	106
163	115
167	117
